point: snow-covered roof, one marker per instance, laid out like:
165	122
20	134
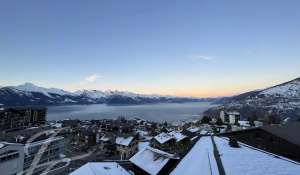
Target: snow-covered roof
244	123
143	145
101	168
193	129
177	135
151	160
200	160
124	140
163	137
250	161
104	138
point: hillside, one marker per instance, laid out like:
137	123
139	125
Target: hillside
282	100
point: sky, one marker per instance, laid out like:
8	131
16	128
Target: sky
201	48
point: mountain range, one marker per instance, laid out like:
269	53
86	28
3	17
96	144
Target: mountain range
282	100
30	94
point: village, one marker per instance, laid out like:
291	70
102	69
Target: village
136	146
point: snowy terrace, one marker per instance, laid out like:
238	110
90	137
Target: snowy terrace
101	168
250	161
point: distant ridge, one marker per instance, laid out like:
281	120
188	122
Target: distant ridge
30	94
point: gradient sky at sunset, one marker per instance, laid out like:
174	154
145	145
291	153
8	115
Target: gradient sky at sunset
177	47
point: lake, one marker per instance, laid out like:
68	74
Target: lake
153	112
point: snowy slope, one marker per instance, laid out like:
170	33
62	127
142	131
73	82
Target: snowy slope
282	100
29	87
94	94
289	89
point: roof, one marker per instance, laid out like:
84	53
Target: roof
199	160
289	131
124	140
193	130
163	137
4	144
151	160
101	168
177	135
104	138
251	161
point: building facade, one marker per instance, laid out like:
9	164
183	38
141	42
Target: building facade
11	158
12	119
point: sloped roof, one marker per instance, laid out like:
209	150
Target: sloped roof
178	135
163	137
151	160
250	161
199	160
124	140
101	168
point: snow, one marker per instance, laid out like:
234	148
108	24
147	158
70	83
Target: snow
244	123
249	161
193	130
177	135
105	139
200	160
101	168
163	137
29	87
288	89
143	145
94	94
69	100
124	141
151	160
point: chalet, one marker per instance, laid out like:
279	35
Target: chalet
164	141
283	140
173	142
106	143
126	145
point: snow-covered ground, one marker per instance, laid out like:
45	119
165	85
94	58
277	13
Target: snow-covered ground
200	160
248	161
291	89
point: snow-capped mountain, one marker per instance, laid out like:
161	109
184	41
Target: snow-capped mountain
282	100
30	94
94	94
29	87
